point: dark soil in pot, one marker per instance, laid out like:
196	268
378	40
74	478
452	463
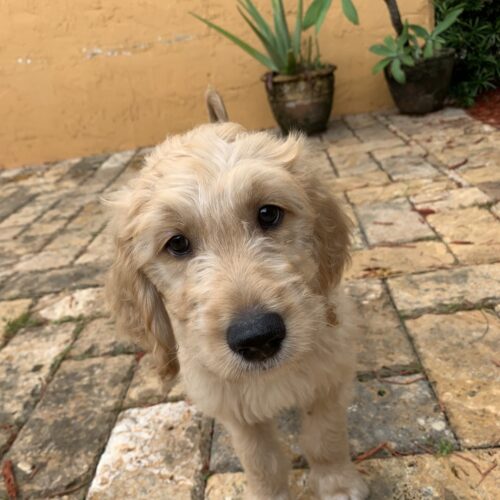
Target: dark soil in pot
426	86
301	102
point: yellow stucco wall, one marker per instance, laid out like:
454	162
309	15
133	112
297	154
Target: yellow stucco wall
85	76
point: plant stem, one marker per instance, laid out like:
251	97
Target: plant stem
393	9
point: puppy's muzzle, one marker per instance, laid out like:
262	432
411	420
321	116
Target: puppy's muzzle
256	335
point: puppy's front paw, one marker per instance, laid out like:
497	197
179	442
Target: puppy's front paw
343	483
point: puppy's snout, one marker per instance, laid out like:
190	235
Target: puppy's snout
256	335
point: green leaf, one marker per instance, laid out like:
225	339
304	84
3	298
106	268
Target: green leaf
391	43
350	11
263	59
428	50
269	44
312	14
252	10
407	60
297	35
381	65
447	21
281	29
322	15
381	50
397	72
420	31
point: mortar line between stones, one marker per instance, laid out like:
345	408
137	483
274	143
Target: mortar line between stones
119	409
122	169
415	351
45	383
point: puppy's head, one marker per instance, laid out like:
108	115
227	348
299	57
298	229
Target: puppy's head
227	245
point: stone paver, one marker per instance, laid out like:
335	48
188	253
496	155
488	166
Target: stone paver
382	341
25	366
389	260
11	310
98	338
392	222
471	233
83	302
423	195
156	452
459	352
400	411
461	287
457	476
60	444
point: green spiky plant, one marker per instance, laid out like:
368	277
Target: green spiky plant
287	52
412	43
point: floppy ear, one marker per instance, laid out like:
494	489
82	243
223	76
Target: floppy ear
332	228
332	232
137	306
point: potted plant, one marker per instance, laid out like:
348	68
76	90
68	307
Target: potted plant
416	63
299	85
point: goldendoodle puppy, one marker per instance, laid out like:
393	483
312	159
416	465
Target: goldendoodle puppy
229	251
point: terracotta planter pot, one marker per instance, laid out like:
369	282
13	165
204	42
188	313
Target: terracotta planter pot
301	102
426	86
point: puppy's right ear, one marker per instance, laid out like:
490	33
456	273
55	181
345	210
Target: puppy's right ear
215	106
136	304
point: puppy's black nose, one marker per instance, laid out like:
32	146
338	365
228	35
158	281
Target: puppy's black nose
256	335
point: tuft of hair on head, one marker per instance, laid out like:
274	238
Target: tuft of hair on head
215	106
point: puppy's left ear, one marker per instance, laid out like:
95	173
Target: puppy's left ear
136	304
332	227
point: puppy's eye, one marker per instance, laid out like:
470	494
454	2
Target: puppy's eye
270	216
178	245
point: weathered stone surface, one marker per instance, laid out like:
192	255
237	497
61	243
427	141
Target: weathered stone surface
339	134
89	219
366	147
375	178
9	311
401	411
99	252
489	173
25	365
413	257
377	194
443	290
407	478
71	304
157	452
360	120
496	209
458	351
98	338
46	260
473	234
408	167
399	151
450	200
382	341
434	478
147	388
354	164
64	436
55	280
232	486
392	222
376	132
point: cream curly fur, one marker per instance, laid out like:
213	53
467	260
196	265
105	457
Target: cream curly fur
208	184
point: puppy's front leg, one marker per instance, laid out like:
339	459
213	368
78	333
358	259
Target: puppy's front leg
325	443
261	454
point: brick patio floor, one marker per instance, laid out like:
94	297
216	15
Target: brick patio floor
82	416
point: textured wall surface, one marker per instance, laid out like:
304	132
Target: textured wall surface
86	76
